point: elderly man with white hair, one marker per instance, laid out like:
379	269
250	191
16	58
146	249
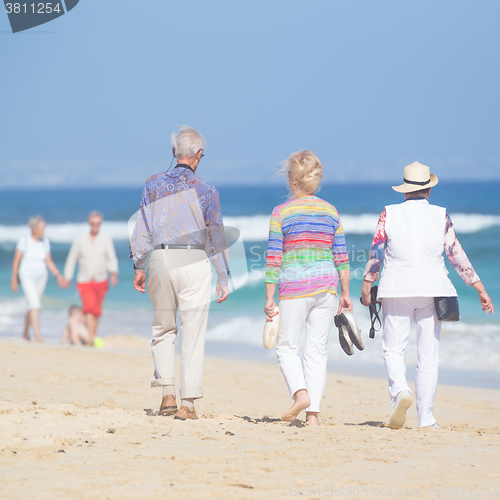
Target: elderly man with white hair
97	265
180	218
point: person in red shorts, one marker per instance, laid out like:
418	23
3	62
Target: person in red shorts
97	263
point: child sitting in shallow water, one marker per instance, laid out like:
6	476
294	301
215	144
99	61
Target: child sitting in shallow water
76	330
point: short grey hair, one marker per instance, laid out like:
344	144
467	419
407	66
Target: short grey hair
95	213
187	142
35	220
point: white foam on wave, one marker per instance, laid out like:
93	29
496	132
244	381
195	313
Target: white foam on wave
463	346
252	228
256	228
464	223
113	322
64	233
11	310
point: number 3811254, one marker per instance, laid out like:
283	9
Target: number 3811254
33	8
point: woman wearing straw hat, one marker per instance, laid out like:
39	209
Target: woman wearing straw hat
410	239
306	257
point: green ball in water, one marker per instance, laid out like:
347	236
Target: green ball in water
98	343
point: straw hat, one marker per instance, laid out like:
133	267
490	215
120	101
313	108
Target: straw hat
416	177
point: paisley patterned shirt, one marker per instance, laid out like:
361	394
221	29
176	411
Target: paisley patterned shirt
178	207
454	251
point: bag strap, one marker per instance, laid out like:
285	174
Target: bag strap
374	311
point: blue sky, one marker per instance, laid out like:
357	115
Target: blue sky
92	97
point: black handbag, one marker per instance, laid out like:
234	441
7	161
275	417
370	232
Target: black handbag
447	308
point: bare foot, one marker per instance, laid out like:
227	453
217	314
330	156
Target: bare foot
26	336
312	418
39	339
302	401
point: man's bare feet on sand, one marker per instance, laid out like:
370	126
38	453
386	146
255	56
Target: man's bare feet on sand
302	401
312	418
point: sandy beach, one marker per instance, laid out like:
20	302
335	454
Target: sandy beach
78	423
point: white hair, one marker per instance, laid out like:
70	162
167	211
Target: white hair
35	220
95	213
187	142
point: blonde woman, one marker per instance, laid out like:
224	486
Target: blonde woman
306	258
32	258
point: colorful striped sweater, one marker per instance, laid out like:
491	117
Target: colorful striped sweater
306	248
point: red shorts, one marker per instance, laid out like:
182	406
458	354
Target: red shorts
92	294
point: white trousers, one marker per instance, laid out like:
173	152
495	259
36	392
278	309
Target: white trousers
398	315
316	314
33	288
179	280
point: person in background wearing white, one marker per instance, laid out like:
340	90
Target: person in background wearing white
31	260
409	240
96	257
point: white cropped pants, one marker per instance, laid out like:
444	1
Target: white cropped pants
316	313
398	315
33	288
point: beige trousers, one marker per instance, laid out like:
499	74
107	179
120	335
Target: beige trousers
179	280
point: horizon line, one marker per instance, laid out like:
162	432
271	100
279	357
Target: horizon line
235	184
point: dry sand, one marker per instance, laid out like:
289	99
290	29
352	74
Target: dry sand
80	424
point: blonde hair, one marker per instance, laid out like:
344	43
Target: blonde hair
73	309
304	172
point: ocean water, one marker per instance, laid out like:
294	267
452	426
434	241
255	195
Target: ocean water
471	344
